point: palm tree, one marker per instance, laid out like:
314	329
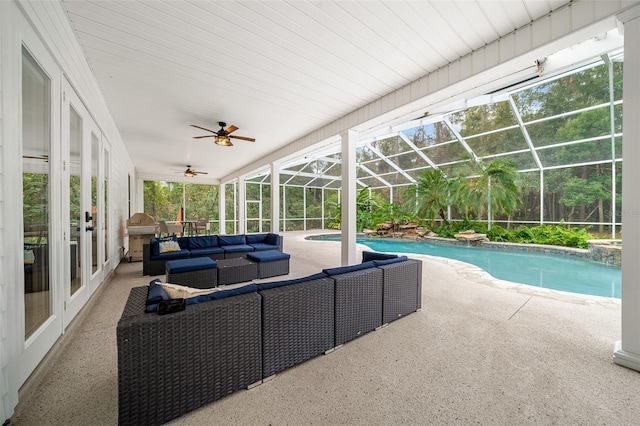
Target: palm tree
432	194
492	191
498	188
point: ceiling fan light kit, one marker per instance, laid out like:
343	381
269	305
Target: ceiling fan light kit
223	136
191	173
223	141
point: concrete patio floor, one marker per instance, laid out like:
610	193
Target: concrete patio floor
481	351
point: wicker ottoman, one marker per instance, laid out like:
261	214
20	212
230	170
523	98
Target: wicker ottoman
270	262
198	272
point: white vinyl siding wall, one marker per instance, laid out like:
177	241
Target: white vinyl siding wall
51	25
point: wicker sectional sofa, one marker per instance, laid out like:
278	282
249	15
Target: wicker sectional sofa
213	246
171	364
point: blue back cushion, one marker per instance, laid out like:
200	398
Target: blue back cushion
256	238
231	240
222	294
373	255
204	241
345	269
276	284
389	261
184	242
273	239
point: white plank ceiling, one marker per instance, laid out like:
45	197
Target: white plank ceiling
276	70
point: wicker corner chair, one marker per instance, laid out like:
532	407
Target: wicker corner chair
169	365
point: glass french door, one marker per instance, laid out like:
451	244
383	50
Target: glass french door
36	190
39	100
83	261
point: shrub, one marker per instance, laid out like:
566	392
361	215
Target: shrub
557	235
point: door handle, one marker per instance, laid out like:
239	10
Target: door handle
89	228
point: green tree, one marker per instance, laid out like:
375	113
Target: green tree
432	195
366	205
494	191
580	193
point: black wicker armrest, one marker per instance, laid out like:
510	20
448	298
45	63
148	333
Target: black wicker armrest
402	289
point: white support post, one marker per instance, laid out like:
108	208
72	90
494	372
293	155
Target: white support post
275	198
222	189
139	207
322	208
349	213
542	197
242	205
304	208
627	351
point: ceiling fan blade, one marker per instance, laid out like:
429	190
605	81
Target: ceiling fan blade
202	128
231	129
243	138
208	136
201	173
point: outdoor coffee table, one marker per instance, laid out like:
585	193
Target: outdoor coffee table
236	270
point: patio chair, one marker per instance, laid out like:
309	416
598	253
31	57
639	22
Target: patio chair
203	225
169	228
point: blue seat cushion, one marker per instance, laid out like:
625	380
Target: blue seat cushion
350	268
199	252
237	248
189	265
231	240
276	284
373	255
268	256
204	241
155	295
222	294
264	246
180	254
389	261
256	238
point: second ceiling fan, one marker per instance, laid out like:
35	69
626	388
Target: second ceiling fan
223	136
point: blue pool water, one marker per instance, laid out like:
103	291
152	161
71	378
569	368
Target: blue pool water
537	269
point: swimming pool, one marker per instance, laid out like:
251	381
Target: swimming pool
536	269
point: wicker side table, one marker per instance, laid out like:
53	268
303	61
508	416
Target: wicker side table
236	270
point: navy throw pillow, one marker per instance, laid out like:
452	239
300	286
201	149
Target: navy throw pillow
156	294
